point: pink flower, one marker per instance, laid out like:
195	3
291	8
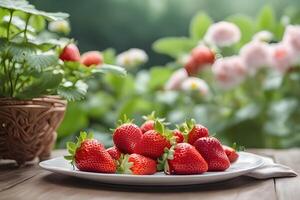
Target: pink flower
176	79
195	84
292	37
222	34
255	55
229	71
282	56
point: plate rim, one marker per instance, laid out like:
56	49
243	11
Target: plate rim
62	170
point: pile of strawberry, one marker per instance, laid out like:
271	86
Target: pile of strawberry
153	147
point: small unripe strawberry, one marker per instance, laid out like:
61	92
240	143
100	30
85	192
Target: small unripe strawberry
70	53
91	58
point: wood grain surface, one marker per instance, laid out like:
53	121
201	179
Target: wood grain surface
31	182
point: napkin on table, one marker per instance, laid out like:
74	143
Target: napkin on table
271	170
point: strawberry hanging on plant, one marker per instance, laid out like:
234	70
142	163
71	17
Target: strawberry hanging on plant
87	154
153	143
126	135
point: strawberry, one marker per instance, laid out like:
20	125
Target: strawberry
153	142
178	135
191	66
91	58
193	131
137	164
90	155
149	122
182	158
203	55
212	151
231	153
70	53
114	152
126	136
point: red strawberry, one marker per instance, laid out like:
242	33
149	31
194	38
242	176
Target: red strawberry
147	126
126	136
149	122
178	135
212	151
70	53
137	164
191	66
91	58
193	131
182	158
153	142
90	155
231	153
203	55
114	152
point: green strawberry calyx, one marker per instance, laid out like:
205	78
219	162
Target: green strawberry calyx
238	147
72	147
153	117
165	132
124	166
163	160
186	127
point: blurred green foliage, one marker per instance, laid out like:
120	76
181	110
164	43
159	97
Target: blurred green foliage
262	112
114	23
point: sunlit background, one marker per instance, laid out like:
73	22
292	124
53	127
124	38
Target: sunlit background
262	111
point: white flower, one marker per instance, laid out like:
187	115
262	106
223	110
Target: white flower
176	79
229	71
59	26
132	58
281	56
255	55
263	36
222	34
195	84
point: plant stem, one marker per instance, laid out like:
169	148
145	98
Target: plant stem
9	23
26	27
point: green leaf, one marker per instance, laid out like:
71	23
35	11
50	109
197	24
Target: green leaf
40	86
71	145
37	22
39	61
109	55
174	46
246	26
70	157
20	51
266	19
73	92
18	22
113	69
158	77
199	25
24	6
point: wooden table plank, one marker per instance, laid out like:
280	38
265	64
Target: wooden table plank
35	183
288	188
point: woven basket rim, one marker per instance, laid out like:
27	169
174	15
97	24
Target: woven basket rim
44	100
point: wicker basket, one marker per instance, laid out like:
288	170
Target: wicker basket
28	127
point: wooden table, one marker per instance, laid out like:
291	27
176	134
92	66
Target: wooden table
32	183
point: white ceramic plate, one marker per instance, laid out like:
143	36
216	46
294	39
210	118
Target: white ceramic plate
247	162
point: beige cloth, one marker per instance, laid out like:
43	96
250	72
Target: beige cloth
271	170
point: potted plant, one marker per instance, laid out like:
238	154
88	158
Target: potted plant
38	75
